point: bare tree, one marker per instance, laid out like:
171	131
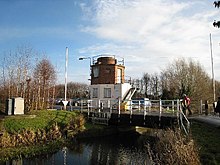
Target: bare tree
187	77
16	65
146	84
44	80
216	23
75	90
155	86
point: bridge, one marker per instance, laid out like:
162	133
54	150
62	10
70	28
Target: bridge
157	114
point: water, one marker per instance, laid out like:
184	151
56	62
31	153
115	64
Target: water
112	150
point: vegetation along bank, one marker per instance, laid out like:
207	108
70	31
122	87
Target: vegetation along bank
45	131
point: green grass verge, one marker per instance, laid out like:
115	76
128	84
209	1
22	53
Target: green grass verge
42	119
207	138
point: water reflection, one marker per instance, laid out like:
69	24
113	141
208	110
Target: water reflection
117	149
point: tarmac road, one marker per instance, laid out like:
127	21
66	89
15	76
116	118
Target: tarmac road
212	120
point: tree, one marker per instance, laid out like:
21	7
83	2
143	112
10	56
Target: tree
146	84
155	86
216	23
44	81
16	67
75	90
186	77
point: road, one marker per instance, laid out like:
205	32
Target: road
212	120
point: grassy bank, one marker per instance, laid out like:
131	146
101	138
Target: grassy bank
41	132
207	138
31	151
37	132
34	120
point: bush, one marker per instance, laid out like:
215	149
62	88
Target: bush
172	147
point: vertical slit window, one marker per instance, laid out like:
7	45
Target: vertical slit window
95	93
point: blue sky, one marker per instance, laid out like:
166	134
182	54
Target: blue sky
148	34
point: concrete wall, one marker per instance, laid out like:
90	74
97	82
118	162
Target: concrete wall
117	91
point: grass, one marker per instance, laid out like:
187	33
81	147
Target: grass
37	132
207	138
31	151
42	119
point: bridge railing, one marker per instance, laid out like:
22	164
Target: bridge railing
156	106
102	109
184	122
137	106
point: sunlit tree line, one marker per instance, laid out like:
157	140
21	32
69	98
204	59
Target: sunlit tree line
182	76
29	74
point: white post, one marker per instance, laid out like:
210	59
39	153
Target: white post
119	109
201	107
99	105
66	72
173	105
160	107
65	101
130	115
213	78
139	105
119	106
109	104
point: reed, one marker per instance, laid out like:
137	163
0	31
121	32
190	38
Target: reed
173	147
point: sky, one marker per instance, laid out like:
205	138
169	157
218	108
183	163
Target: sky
148	34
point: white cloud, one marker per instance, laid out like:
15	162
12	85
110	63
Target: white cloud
151	33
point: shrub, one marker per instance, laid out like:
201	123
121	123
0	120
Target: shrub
172	147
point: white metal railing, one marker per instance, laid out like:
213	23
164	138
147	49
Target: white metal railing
159	106
104	108
185	125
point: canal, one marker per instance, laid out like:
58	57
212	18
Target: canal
123	148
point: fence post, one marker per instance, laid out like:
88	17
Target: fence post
119	109
139	105
160	106
173	105
201	107
144	115
99	105
119	106
88	105
109	104
131	115
178	108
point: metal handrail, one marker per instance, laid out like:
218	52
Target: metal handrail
181	116
103	104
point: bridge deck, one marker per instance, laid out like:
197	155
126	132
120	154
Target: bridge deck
135	118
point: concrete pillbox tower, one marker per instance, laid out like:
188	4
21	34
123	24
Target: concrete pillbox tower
108	83
106	71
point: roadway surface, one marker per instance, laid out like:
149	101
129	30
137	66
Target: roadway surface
210	119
